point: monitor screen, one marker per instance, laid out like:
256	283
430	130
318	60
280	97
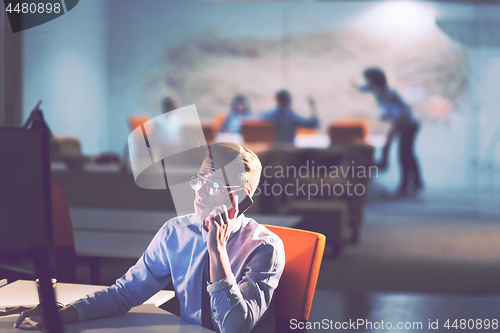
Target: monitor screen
25	198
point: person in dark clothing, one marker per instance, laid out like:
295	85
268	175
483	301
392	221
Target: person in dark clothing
168	104
404	125
286	121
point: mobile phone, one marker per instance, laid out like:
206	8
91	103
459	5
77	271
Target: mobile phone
244	204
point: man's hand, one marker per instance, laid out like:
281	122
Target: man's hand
220	224
312	106
33	314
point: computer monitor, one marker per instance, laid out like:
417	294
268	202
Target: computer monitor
26	236
25	197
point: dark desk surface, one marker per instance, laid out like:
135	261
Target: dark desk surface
126	233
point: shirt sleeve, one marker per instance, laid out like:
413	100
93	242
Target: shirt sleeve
268	115
238	305
311	122
225	125
395	109
149	275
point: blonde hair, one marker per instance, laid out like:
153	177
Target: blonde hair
223	153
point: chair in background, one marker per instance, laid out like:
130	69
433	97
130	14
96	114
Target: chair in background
67	149
63	236
361	156
348	131
257	131
191	136
258	135
137	120
306	131
321	211
219	119
294	295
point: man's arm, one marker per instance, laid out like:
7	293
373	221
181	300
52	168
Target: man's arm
237	307
268	115
218	235
149	275
68	314
311	122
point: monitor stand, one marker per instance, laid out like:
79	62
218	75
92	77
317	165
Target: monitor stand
51	318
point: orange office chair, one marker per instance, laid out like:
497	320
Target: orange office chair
257	131
219	119
137	120
64	240
295	292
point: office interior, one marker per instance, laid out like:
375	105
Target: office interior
105	63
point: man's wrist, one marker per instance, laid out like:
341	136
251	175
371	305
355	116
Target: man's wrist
219	264
223	283
68	314
217	251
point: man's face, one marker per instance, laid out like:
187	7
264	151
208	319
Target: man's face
240	107
204	202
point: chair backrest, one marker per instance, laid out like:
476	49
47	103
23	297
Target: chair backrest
219	119
191	132
64	240
137	120
306	131
63	229
303	252
257	131
347	132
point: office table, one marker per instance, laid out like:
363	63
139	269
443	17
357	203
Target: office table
143	318
126	234
110	233
95	219
23	292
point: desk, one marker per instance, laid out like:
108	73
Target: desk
126	234
24	293
111	233
148	222
143	318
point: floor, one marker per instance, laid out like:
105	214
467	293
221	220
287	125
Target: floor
433	245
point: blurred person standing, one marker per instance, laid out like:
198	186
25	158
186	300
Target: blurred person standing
172	133
169	103
240	110
404	124
286	121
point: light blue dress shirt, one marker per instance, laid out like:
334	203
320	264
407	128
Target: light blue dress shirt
176	253
395	109
286	122
234	122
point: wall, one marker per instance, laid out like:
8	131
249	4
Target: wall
141	34
64	65
105	61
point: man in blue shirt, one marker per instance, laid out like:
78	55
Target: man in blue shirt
286	121
224	266
404	124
